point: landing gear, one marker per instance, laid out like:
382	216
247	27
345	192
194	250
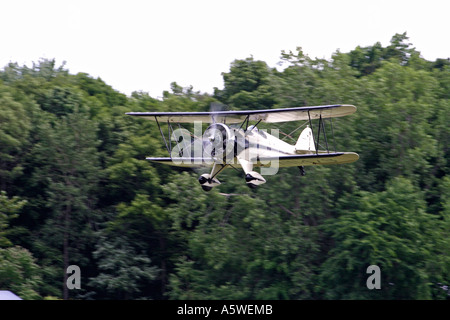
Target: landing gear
206	188
254	179
302	170
207	182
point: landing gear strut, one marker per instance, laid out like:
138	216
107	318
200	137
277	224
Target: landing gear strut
302	170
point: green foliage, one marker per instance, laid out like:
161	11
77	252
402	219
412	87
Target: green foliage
390	229
9	209
81	192
19	272
243	248
247	85
14	129
367	60
121	269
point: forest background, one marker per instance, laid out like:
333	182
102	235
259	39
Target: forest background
76	188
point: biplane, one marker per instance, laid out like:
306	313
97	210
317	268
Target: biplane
231	141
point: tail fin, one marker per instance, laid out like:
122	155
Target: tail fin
305	142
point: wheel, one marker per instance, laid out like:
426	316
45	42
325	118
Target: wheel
206	188
202	180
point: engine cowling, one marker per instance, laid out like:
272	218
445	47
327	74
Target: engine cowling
218	142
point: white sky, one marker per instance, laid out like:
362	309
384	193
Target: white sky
145	45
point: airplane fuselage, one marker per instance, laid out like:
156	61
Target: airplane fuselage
226	145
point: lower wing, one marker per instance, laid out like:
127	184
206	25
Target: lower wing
309	159
283	161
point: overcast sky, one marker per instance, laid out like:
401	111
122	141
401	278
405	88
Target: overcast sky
145	45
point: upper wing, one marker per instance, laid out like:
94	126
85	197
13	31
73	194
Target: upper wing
268	115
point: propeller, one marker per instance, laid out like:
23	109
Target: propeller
217	143
212	136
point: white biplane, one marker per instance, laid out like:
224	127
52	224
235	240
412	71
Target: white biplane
231	142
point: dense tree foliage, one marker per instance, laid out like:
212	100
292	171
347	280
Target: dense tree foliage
76	188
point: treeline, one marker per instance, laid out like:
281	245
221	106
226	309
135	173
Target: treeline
76	188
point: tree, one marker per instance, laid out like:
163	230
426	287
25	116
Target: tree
61	101
389	229
9	209
14	129
296	84
368	59
19	272
18	269
247	85
441	267
241	247
69	165
146	224
123	271
399	49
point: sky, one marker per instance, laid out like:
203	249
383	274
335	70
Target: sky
144	45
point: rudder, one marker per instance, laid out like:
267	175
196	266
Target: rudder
305	142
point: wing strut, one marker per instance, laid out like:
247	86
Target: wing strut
162	135
218	171
245	120
322	130
170	135
312	129
170	129
321	127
